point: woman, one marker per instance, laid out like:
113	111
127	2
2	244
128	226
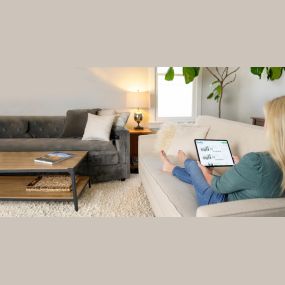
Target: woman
256	175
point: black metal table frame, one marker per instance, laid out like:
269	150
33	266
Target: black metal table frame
70	171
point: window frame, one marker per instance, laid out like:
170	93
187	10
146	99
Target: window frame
196	100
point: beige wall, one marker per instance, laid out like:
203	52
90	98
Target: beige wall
244	98
51	90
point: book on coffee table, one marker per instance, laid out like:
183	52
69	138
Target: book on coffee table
53	157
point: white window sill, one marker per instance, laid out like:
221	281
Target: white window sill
157	124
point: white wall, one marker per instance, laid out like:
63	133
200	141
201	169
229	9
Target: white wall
244	98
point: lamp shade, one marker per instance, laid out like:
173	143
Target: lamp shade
138	100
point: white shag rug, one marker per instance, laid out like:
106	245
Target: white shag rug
110	199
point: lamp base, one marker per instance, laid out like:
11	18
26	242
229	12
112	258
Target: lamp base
138	117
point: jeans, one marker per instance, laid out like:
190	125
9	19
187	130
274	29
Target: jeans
193	175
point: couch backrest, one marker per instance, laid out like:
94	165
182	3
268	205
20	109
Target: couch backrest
46	126
243	138
31	126
13	127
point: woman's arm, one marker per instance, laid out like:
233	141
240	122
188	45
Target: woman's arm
241	176
208	172
244	175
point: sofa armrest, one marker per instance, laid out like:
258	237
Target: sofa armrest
146	144
268	207
121	140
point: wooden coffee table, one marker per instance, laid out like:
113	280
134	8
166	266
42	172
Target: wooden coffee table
17	169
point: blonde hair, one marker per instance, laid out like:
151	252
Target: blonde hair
275	128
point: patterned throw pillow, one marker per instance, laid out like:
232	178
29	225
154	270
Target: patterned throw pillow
120	120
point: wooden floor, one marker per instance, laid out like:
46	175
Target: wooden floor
14	187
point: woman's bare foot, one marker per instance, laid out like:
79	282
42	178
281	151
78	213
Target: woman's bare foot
181	156
167	165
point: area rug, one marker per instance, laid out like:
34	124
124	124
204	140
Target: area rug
110	199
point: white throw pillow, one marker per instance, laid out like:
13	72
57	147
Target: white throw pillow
98	127
164	136
184	137
166	133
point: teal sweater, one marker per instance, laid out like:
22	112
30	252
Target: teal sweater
256	176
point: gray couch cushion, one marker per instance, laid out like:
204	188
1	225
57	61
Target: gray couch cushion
101	153
46	127
76	121
13	127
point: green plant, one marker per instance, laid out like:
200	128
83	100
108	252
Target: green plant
272	73
223	77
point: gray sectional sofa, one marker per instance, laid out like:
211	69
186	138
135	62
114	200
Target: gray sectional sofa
105	160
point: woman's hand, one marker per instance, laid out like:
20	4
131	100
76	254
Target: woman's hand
236	159
207	172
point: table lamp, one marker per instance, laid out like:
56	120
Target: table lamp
138	100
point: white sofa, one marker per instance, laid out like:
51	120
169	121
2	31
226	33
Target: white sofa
170	197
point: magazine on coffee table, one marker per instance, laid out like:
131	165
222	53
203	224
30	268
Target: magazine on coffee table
53	157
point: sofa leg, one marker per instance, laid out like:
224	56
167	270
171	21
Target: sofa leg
123	179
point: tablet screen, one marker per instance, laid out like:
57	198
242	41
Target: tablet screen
214	152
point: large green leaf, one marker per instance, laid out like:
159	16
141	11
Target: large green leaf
169	74
197	70
217	97
210	95
257	71
218	90
275	73
189	74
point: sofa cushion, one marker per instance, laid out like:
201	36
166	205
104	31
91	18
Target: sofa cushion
46	127
106	157
99	152
178	194
75	122
13	127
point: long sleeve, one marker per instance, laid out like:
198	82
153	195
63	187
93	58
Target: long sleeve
244	175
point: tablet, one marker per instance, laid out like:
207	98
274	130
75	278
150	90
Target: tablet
214	153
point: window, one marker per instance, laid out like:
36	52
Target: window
175	99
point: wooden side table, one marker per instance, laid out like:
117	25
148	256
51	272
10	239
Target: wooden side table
258	121
134	139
